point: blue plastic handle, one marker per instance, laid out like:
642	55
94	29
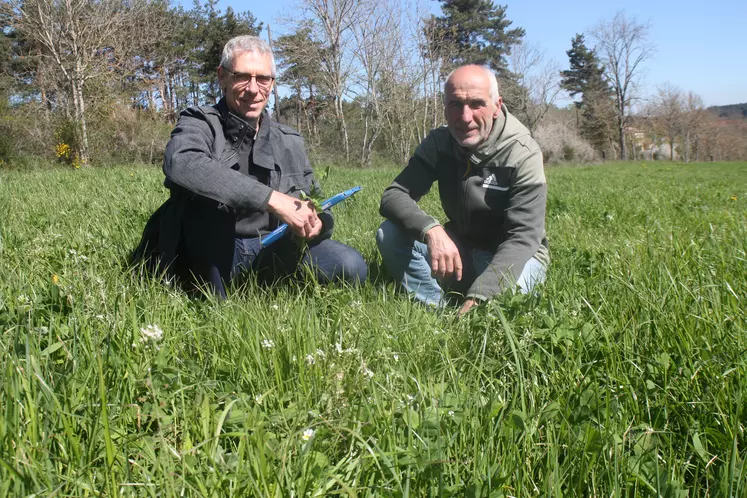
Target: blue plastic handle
280	231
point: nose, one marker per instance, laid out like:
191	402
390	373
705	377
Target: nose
253	86
466	114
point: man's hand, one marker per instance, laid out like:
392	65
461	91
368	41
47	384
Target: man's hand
468	305
300	215
445	259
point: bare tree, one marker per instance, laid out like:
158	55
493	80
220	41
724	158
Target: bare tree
669	111
334	20
83	39
378	41
693	121
623	45
535	84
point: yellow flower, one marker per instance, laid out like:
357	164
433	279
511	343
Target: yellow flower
733	197
55	279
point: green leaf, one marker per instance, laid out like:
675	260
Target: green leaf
517	419
51	349
698	446
412	419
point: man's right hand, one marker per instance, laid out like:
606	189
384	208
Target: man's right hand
300	215
445	259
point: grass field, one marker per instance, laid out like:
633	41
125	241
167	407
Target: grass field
625	376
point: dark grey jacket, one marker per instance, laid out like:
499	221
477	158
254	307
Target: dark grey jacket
494	198
208	148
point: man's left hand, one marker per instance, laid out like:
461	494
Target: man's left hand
468	305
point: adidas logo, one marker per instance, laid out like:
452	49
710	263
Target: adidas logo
492	183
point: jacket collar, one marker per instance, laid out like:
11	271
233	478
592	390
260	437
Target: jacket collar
238	130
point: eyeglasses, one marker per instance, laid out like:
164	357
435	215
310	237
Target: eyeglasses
264	81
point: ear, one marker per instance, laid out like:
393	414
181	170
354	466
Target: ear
221	78
498	106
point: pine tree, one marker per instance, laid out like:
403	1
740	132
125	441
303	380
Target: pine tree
478	31
586	77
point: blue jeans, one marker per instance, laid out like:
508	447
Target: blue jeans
328	260
408	261
209	253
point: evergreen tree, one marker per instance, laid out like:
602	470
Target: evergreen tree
215	30
586	77
585	72
478	31
298	57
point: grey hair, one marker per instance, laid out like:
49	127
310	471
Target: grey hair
494	94
246	44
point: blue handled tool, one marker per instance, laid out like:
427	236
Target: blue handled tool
280	231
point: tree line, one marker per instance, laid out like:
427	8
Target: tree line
96	81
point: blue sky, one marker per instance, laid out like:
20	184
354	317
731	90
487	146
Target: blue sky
700	46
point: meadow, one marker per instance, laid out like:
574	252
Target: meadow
625	375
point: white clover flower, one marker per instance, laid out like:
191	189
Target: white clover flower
310	359
320	354
366	371
153	332
268	344
307	434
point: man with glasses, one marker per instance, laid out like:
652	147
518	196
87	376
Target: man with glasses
235	175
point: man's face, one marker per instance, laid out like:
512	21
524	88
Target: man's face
468	108
245	95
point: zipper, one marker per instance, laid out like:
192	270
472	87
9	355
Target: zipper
463	197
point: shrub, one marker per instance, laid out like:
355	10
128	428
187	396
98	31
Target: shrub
560	143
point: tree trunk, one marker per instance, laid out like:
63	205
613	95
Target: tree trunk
621	129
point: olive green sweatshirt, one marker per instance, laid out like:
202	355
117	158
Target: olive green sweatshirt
494	198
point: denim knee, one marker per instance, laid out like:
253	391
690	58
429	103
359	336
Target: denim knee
352	267
334	261
390	236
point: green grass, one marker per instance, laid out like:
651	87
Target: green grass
625	376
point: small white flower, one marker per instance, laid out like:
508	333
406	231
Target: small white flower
396	357
338	348
356	304
451	413
153	332
268	344
275	307
258	399
307	434
320	354
310	359
367	371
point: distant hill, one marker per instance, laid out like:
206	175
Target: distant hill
733	111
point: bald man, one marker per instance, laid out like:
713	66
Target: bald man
492	187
